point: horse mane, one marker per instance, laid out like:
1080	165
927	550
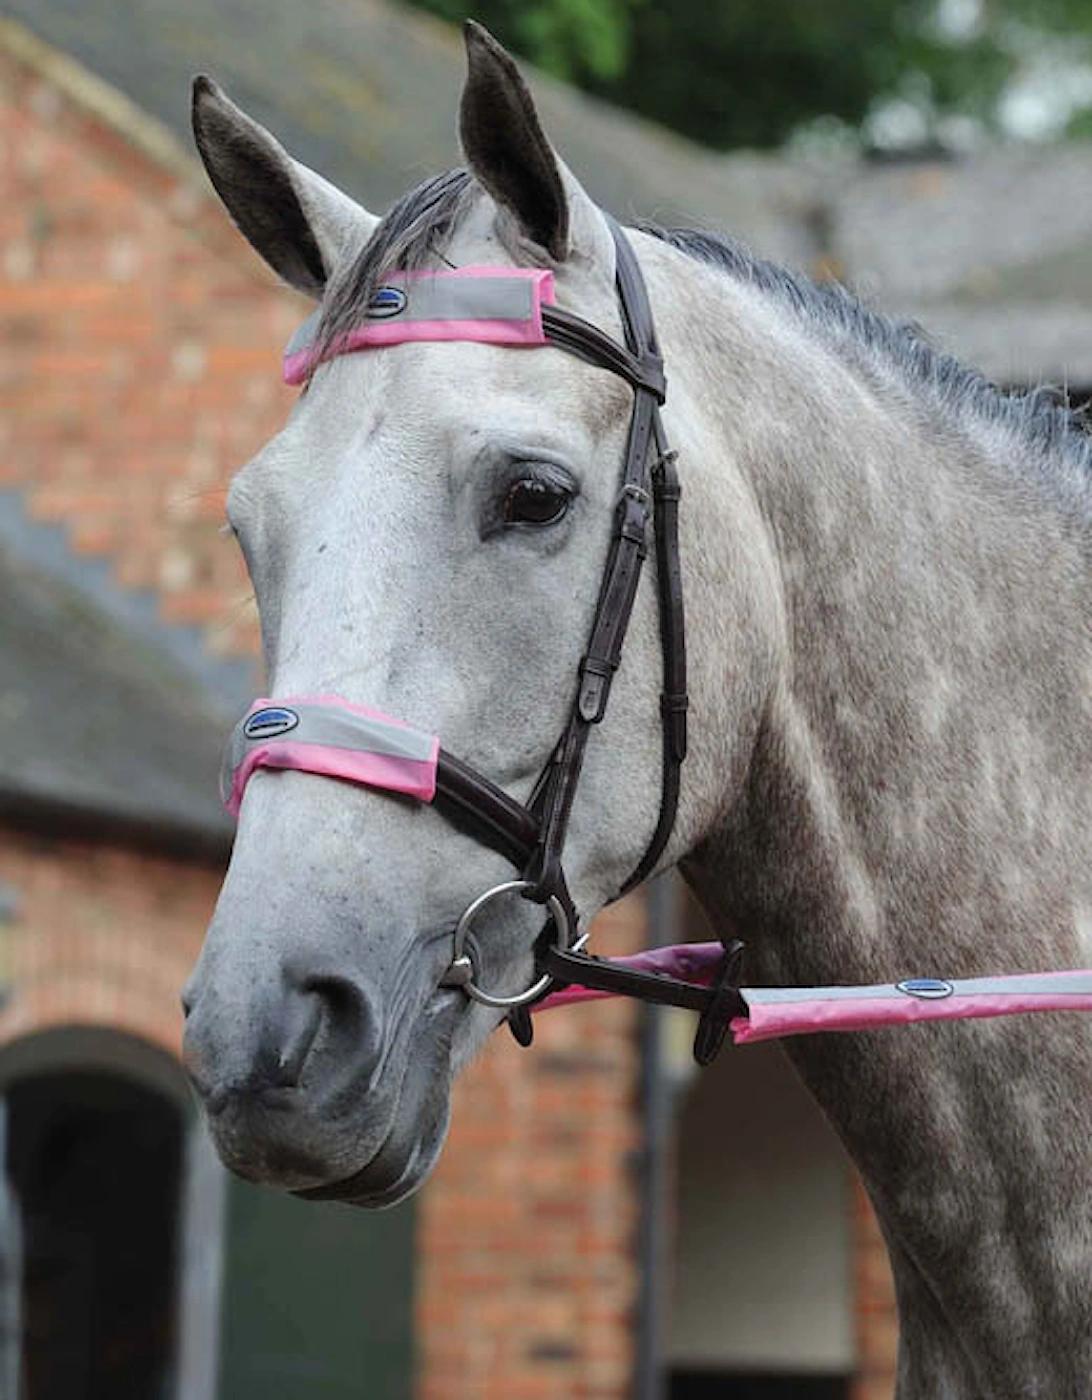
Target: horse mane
1040	420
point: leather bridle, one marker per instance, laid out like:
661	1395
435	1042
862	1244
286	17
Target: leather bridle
337	738
532	836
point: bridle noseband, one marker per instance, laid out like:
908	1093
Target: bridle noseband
532	837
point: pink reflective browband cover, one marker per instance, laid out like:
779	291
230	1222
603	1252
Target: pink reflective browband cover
497	305
327	735
774	1012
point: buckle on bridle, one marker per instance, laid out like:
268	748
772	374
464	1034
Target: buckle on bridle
722	1005
636	493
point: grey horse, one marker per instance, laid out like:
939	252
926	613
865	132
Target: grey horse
890	623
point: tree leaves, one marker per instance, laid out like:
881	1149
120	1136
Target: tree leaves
752	72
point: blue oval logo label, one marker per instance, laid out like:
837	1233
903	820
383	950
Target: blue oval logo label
269	723
926	988
388	301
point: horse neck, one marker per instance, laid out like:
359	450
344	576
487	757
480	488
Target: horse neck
920	768
916	801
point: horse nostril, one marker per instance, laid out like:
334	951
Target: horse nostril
302	1024
312	1034
350	1029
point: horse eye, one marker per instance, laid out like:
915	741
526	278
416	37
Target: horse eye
532	502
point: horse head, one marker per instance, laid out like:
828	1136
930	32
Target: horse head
426	537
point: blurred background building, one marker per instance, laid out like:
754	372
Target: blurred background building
603	1224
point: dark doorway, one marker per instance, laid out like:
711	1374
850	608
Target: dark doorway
713	1385
95	1163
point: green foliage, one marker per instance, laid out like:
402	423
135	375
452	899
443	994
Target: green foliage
751	72
578	40
747	74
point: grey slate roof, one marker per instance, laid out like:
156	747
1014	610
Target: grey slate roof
102	732
992	254
367	92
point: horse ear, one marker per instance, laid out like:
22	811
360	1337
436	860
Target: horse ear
300	224
509	154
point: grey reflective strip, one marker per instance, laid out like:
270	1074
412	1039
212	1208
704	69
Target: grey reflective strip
775	996
446	299
466	299
335	729
1048	984
341	729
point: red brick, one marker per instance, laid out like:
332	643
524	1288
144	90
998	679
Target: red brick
877	1321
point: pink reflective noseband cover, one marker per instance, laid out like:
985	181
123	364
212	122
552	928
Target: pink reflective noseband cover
497	305
327	735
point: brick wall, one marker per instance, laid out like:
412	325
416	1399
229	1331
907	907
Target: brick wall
99	937
526	1270
529	1222
877	1328
140	354
140	362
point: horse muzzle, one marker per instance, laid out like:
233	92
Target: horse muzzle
300	1083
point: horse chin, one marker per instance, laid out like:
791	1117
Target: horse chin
400	1166
409	1151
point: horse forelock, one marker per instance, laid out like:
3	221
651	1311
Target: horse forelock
413	232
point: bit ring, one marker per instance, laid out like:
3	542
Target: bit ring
462	971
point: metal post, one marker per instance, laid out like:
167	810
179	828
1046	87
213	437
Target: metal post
11	1272
654	1169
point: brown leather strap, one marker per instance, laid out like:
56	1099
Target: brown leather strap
719	1002
472	803
674	701
639	362
641	336
594	346
533	837
586	970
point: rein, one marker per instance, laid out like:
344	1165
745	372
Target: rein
332	737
